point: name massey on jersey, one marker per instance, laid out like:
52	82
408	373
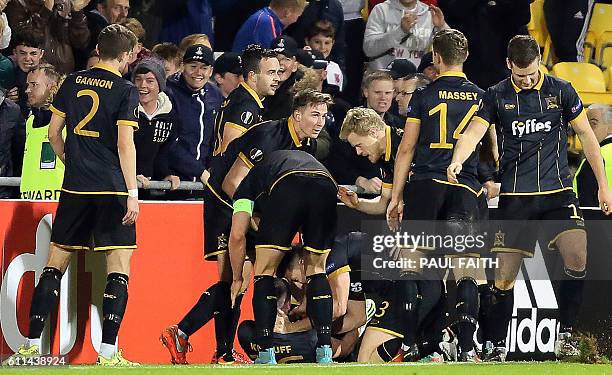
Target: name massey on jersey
102	83
457	95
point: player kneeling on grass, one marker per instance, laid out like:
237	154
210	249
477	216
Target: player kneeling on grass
296	191
98	206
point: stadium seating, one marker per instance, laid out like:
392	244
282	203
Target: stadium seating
587	79
608	78
544	69
600	19
603	51
590	42
537	24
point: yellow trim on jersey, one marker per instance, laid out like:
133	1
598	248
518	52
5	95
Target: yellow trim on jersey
538	85
511	250
206	256
392	333
313	250
481	121
240	128
551	243
452	74
245	160
580	115
387	185
338	272
57	111
253	94
477	193
413	119
292	132
104	248
95	192
387	143
291	358
306	172
275	247
107	68
217	195
131	123
540	192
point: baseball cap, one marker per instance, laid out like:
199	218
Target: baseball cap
199	53
319	60
285	45
228	62
311	59
426	61
401	68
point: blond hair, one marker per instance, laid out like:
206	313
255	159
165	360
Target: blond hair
193	39
361	121
310	80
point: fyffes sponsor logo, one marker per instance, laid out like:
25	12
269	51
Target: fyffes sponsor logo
520	128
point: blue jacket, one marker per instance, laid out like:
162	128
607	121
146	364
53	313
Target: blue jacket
260	28
195	18
195	131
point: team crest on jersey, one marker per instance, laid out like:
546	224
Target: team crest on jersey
551	102
247	117
399	132
509	106
500	239
256	154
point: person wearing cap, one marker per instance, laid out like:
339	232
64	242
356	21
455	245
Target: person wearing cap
399	69
406	87
268	23
321	37
278	106
198	102
227	72
157	124
426	66
244	106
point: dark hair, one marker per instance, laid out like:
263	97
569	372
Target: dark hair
378	75
310	96
252	56
523	50
322	27
169	51
114	40
28	39
451	45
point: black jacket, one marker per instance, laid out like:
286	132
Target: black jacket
12	142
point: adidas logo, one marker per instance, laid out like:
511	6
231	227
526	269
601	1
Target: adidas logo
579	15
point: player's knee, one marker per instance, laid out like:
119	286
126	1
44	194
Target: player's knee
315	263
504	284
58	258
118	261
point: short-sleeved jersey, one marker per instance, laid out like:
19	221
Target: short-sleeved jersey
443	109
254	146
241	110
94	103
264	176
531	127
393	138
345	255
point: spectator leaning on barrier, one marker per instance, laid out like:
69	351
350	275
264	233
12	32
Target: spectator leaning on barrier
399	29
12	137
268	23
156	124
197	101
171	55
227	72
43	171
28	53
585	184
60	24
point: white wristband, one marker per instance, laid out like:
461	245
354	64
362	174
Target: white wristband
133	193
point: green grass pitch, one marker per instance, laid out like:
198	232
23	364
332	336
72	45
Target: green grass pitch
524	368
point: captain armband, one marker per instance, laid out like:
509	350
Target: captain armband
243	205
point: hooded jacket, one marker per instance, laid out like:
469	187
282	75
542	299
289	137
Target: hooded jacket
154	139
385	41
195	131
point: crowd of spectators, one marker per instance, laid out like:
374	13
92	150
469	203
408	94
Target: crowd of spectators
188	61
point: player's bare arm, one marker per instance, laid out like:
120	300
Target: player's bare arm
234	177
237	247
375	206
593	155
465	146
229	134
55	136
127	159
403	160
